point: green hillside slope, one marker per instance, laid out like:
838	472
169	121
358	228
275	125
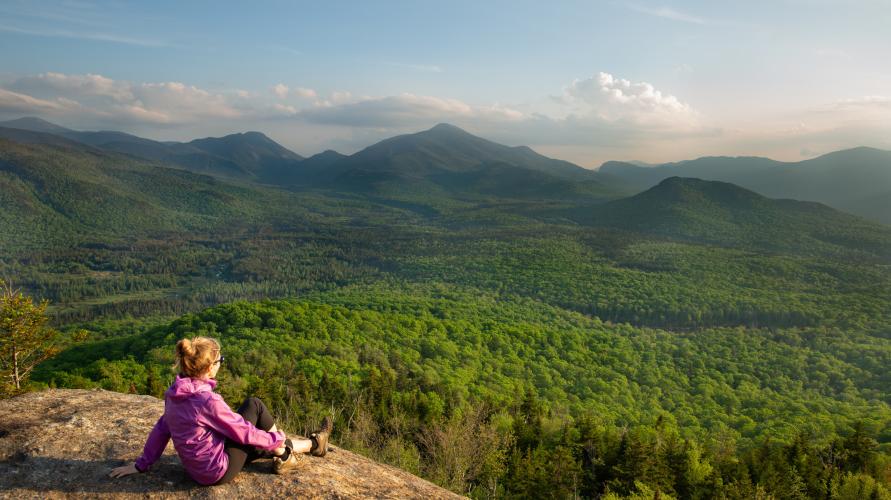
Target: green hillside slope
722	213
842	179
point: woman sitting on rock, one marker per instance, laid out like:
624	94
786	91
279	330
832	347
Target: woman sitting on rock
212	441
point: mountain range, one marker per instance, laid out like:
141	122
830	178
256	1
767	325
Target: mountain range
67	188
447	162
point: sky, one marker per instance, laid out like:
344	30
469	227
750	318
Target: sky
583	81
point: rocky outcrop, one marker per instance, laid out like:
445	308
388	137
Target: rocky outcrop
63	443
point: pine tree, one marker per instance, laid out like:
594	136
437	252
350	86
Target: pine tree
25	340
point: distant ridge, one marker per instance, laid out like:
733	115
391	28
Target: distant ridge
857	180
35	124
726	214
443	161
26	136
248	156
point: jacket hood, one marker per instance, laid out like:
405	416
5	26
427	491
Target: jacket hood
184	387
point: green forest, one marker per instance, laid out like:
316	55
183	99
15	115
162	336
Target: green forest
694	341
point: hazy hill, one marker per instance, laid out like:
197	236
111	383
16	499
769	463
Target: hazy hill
856	180
26	136
62	189
249	156
248	148
446	148
264	159
446	161
321	160
723	213
35	124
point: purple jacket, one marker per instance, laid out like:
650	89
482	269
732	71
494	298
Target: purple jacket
199	421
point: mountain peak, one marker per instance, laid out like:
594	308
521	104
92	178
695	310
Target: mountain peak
446	127
684	189
246	146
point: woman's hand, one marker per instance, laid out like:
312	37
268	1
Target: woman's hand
124	470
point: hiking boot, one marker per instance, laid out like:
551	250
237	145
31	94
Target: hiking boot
287	462
320	438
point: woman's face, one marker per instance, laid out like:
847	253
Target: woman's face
215	367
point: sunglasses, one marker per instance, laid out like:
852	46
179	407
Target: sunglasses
220	361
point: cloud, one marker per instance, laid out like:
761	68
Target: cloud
403	110
102	101
615	100
668	13
22	103
305	93
75	86
84	35
870	102
280	90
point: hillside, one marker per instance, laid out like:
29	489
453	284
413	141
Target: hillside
63	443
856	180
723	213
68	189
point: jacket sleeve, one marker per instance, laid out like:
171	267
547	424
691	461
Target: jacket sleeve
154	446
222	419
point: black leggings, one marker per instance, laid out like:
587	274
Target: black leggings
254	411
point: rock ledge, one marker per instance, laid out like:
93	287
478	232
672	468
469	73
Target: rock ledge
63	443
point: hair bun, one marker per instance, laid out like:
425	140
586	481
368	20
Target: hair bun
185	348
195	357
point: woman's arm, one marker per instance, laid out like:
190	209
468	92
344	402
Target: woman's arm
154	447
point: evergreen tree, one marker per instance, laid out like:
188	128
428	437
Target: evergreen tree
25	339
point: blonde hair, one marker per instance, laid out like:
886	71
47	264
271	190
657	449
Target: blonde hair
194	357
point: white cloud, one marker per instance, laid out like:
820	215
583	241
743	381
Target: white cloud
102	101
610	99
305	93
280	90
23	103
877	103
403	110
340	96
75	86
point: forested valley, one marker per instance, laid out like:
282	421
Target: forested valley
696	340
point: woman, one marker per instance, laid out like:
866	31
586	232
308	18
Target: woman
213	442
